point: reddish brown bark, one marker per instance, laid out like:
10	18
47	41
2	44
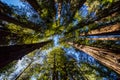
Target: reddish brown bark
111	30
106	57
109	38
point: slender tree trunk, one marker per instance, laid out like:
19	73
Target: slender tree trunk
65	70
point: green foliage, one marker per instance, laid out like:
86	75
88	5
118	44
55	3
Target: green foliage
44	13
77	16
19	30
47	46
56	61
109	1
8	68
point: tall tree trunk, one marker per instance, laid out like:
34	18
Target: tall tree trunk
4	33
107	30
106	38
65	70
15	52
106	57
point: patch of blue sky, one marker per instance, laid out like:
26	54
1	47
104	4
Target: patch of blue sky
75	22
117	42
33	78
13	2
61	20
93	14
83	57
105	78
28	10
92	41
56	40
79	55
114	76
56	7
84	11
19	67
65	9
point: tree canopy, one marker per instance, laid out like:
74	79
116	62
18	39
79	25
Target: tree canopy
55	39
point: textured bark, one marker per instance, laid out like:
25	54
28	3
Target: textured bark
108	30
15	52
103	34
106	57
109	38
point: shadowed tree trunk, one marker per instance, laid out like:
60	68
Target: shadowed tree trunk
106	57
4	33
15	52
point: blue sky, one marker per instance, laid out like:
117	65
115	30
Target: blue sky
13	2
